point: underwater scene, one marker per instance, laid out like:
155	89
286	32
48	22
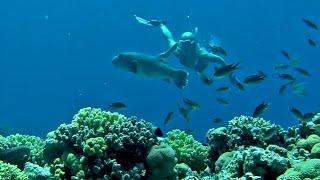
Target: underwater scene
159	90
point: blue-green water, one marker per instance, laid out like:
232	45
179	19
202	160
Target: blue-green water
55	57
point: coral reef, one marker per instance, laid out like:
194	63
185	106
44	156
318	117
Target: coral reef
104	145
188	150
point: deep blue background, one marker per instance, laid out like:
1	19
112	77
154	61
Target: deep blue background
55	58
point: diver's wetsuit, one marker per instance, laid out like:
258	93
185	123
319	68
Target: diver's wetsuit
189	51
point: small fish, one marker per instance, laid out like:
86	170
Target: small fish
158	132
217	50
205	79
223	89
222	101
191	103
117	105
255	79
226	70
236	82
283	88
168	118
312	42
302	71
217	120
310	24
185	113
308	116
260	109
299	89
296	113
285	54
286	76
282	66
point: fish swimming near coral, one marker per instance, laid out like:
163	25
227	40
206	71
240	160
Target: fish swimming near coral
158	132
296	113
225	70
236	82
285	54
205	79
310	24
117	105
302	71
185	113
217	120
256	78
287	77
151	66
16	155
223	89
282	66
168	118
192	104
223	101
312	42
260	109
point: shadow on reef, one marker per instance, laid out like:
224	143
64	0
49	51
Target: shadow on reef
105	145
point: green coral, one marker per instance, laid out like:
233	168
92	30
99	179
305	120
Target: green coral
35	144
95	146
11	172
309	142
306	169
315	151
188	150
161	160
100	144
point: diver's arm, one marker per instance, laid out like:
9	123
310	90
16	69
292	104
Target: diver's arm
205	55
167	34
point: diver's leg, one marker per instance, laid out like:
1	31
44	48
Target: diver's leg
168	35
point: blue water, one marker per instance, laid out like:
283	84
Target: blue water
55	57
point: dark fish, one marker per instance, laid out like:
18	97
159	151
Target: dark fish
217	50
282	66
185	113
310	24
158	132
260	109
205	79
308	116
117	105
236	82
16	155
226	70
287	77
296	113
217	120
302	71
255	79
283	88
285	54
222	101
191	103
223	89
311	42
168	118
